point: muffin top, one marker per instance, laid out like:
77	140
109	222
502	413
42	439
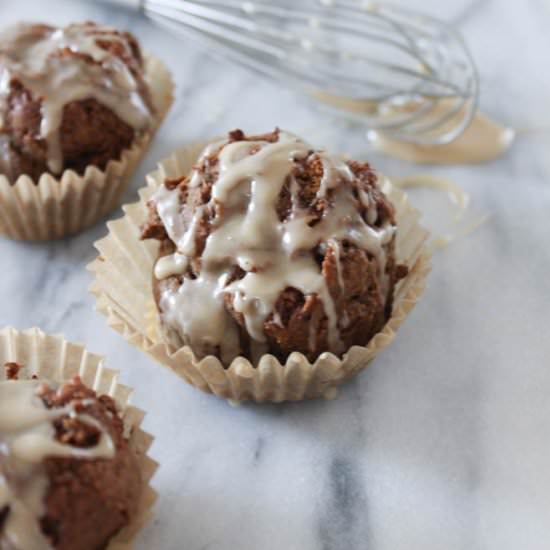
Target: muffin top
68	478
271	246
69	97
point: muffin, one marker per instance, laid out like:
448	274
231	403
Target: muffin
73	467
74	100
68	478
69	98
271	246
313	217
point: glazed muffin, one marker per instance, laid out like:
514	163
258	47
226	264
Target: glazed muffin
70	98
271	246
68	477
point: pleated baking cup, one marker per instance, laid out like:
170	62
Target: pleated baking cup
52	358
123	288
56	207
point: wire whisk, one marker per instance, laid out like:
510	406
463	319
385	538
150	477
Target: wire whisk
400	72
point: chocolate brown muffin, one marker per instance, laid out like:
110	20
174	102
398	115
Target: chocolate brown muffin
68	478
70	98
270	246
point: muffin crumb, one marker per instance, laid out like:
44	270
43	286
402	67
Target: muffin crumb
12	370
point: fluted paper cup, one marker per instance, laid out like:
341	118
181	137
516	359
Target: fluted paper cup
123	288
55	207
51	357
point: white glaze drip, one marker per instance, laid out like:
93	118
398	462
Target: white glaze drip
274	254
335	247
169	209
27	436
173	264
58	80
5	163
482	141
203	323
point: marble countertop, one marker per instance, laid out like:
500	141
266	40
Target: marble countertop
444	442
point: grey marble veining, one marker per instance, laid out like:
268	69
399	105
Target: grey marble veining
444	442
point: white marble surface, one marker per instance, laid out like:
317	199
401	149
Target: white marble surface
444	442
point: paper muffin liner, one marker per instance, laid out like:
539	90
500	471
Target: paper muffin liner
52	358
123	288
56	207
